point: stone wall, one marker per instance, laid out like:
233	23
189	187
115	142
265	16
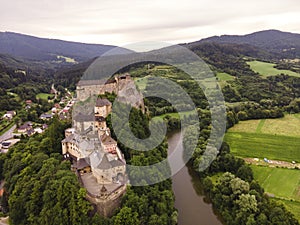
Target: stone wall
106	205
124	87
85	91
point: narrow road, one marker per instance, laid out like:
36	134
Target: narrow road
8	134
55	91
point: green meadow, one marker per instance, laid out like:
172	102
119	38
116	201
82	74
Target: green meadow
277	139
267	69
255	145
284	184
44	96
224	77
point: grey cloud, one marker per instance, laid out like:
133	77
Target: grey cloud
131	20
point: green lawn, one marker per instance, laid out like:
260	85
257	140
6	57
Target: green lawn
44	96
255	145
267	69
283	183
224	77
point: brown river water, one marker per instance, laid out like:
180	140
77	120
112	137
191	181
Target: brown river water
192	209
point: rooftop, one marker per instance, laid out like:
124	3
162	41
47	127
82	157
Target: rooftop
90	183
26	125
107	140
80	117
104	164
99	118
100	102
82	163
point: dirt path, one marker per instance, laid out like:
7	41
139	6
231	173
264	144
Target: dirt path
272	163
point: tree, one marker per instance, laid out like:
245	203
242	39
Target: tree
239	186
247	203
245	173
126	217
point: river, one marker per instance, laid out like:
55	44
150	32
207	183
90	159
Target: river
192	209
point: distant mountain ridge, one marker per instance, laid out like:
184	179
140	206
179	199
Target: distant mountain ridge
34	48
285	44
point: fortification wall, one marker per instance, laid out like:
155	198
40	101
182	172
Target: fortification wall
84	92
107	204
124	88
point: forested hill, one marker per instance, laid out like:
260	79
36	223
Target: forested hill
280	44
42	49
69	76
228	58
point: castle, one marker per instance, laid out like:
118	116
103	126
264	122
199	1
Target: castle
96	158
123	86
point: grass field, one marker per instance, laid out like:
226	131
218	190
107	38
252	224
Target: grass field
289	125
224	77
44	96
283	183
253	145
277	139
267	69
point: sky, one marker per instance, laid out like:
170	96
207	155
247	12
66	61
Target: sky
121	22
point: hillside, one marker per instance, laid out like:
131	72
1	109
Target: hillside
34	48
281	44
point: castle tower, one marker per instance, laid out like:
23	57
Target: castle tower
102	107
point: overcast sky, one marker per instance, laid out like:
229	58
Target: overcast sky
120	22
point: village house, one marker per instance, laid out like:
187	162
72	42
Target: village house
54	110
20	71
57	106
9	115
46	116
26	129
38	130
